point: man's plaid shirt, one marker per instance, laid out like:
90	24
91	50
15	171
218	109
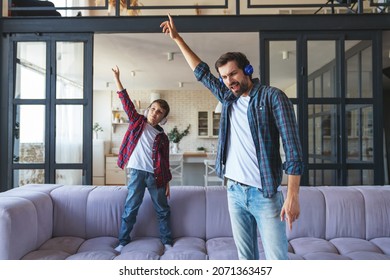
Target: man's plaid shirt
271	116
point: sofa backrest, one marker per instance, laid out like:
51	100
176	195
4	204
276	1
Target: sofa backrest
217	216
90	211
332	212
26	219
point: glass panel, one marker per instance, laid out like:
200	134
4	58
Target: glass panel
69	176
317	87
70	66
29	134
310	89
360	177
322	133
69	133
353	77
367	134
28	176
321	68
30	70
359	72
360	133
367	73
283	66
368	177
323	177
354	177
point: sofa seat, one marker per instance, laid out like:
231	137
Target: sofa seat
66	222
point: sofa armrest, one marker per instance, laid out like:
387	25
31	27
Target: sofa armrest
26	221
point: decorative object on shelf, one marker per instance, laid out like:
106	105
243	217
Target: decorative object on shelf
96	128
117	117
175	137
201	149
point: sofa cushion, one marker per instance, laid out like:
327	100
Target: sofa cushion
312	219
218	220
56	248
377	211
221	248
305	245
188	212
104	208
19	219
186	248
70	210
345	213
382	243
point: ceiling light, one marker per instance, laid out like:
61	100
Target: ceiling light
132	73
170	56
285	55
180	84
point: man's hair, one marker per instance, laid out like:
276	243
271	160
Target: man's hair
238	57
163	104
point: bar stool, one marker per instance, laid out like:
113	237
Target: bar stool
176	165
210	175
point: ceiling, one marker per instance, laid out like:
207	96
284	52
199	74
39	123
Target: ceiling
147	56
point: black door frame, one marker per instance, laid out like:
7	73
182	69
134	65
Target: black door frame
50	102
301	100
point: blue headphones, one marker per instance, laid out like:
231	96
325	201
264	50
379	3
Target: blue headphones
248	70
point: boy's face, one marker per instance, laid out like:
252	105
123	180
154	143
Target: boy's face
155	114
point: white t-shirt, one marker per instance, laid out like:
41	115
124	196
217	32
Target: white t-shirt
241	161
141	158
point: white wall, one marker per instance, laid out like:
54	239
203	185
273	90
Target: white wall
184	107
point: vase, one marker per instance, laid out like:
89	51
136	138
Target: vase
175	148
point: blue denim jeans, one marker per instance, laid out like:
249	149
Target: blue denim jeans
250	211
140	180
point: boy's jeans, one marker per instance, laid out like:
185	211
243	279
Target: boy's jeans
138	181
248	210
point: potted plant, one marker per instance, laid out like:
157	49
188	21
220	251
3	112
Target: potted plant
96	128
175	137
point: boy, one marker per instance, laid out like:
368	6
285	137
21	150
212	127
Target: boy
145	150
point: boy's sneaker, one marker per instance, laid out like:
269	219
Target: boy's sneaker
119	248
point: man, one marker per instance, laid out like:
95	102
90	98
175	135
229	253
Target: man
253	118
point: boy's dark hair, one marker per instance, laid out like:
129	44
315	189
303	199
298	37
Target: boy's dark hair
239	57
163	104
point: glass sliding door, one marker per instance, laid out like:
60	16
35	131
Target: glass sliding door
330	81
51	110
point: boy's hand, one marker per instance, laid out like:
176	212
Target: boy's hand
115	72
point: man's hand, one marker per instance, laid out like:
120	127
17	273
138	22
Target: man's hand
167	191
291	209
168	27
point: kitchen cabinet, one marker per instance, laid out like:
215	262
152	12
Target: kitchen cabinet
208	124
114	174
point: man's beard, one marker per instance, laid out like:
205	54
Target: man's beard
243	87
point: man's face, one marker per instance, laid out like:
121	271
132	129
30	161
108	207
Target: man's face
235	79
155	114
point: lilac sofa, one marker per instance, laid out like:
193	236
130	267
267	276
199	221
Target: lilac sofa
82	222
